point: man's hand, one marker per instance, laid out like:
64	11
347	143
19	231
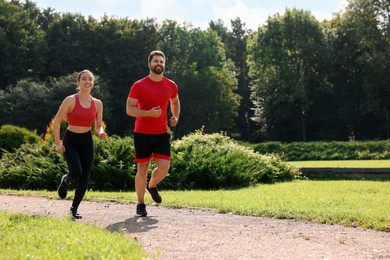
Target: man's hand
155	112
173	121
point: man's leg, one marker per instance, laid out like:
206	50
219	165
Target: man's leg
159	172
140	180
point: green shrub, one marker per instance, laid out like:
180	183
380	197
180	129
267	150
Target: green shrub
12	137
114	167
307	151
39	166
201	161
32	166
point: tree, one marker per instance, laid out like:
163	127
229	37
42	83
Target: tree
70	45
286	66
235	47
361	67
22	42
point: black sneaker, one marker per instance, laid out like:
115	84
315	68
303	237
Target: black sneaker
63	188
141	210
154	193
74	214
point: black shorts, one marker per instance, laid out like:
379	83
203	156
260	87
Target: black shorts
147	146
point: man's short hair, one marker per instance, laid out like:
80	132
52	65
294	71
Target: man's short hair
154	53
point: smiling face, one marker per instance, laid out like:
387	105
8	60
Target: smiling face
157	64
85	80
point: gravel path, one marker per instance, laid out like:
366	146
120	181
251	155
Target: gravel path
204	234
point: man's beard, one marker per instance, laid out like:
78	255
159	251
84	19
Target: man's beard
158	70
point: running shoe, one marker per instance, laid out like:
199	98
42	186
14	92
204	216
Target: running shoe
63	188
141	210
154	194
74	213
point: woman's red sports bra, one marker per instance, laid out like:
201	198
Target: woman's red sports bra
81	116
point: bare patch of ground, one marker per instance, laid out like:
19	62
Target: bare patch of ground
204	234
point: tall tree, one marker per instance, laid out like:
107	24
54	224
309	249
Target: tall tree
286	57
361	70
235	41
22	42
70	47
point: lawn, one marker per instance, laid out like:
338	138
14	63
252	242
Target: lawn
348	202
343	164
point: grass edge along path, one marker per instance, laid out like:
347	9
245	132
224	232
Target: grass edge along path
31	237
354	203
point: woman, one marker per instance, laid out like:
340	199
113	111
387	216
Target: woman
81	110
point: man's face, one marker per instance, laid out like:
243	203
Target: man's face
157	65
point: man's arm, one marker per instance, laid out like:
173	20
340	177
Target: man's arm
175	110
132	109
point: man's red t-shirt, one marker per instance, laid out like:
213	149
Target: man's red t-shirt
151	94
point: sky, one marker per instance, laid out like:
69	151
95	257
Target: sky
197	13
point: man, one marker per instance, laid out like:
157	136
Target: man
148	102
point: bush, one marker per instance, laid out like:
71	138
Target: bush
306	151
114	167
201	161
41	167
12	137
32	166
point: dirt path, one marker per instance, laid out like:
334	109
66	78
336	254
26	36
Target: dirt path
201	234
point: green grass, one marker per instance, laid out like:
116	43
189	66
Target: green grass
35	237
350	203
343	164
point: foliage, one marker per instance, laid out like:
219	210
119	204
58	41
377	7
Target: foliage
32	166
12	137
41	167
235	42
304	151
295	78
211	161
198	161
114	167
286	59
23	45
360	46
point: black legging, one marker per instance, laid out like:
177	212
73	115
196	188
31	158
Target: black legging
79	153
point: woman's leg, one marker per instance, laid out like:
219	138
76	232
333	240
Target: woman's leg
86	156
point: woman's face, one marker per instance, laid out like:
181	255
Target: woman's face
157	65
86	81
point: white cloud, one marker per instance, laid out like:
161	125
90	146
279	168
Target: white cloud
253	17
161	10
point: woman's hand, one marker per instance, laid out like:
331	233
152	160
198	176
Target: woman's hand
102	136
60	148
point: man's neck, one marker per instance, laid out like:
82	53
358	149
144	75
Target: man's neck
155	77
